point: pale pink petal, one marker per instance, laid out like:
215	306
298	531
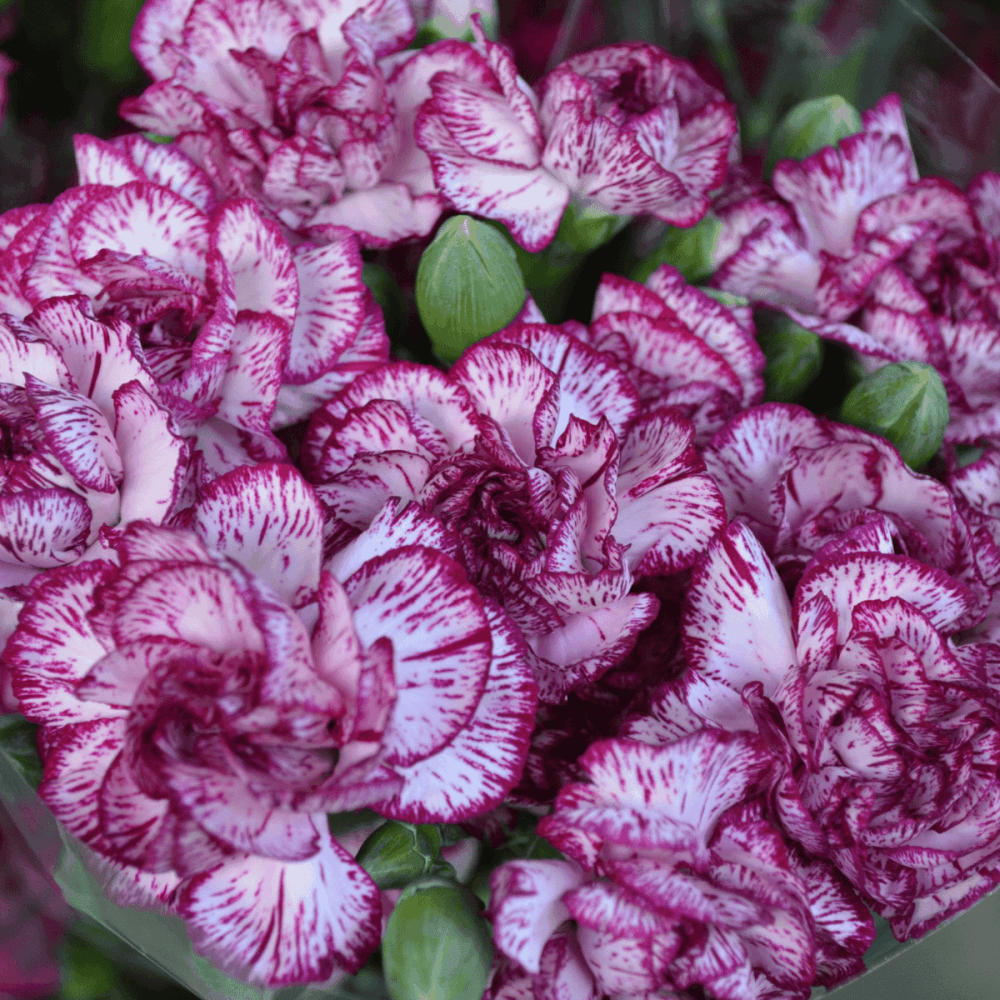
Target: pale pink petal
156	459
258	258
100	162
77	433
141	219
165	164
848	580
42	528
529	201
56	646
332	307
77	757
737	621
510	385
380	216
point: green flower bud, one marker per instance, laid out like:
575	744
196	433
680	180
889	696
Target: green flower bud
397	853
691	251
810	126
436	944
389	296
17	742
468	285
794	356
904	402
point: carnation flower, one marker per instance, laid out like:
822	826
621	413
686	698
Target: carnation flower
885	728
679	347
87	443
626	128
208	696
305	107
676	881
241	332
561	493
803	483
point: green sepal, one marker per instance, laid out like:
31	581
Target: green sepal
811	126
469	285
397	853
904	402
794	356
436	944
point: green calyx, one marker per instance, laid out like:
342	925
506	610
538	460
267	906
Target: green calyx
905	403
468	285
397	853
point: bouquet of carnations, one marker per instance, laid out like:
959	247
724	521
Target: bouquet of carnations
369	624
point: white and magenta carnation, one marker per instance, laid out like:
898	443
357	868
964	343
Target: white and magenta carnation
676	881
242	332
306	107
87	444
803	483
562	494
207	696
885	728
679	347
627	129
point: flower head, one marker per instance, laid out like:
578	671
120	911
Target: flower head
677	880
208	696
885	730
306	108
241	332
626	128
533	451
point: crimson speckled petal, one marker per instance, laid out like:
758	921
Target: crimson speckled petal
276	923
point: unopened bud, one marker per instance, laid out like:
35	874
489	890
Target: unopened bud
468	285
905	403
810	126
397	853
436	944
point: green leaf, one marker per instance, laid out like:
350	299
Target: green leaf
17	740
436	944
468	285
904	402
794	356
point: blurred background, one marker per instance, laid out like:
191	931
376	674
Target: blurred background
68	66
